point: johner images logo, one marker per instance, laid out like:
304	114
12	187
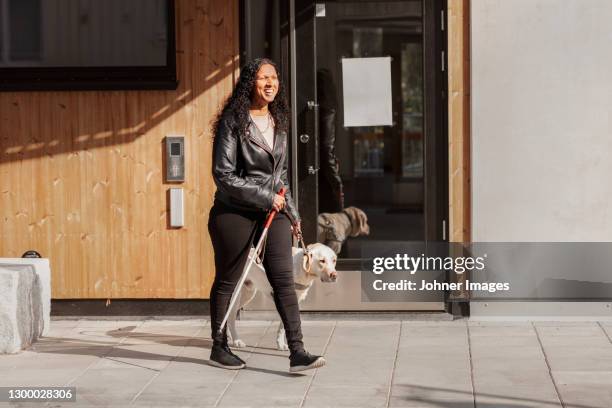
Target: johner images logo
406	264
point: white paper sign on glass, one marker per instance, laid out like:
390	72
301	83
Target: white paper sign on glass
366	89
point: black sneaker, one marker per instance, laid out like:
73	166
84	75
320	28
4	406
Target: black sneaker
302	360
221	357
226	348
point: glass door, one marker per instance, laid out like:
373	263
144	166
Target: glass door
370	119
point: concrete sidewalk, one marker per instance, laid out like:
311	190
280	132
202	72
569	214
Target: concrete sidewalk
385	363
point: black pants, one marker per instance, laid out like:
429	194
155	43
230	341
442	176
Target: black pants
233	232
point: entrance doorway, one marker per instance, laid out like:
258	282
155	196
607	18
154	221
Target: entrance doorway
368	94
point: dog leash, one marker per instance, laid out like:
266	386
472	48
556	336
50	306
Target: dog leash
307	254
306	261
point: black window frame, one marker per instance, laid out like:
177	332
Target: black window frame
100	77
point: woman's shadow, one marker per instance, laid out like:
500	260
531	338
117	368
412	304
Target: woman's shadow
106	349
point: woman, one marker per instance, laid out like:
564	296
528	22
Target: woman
249	168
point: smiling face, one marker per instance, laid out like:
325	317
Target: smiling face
266	85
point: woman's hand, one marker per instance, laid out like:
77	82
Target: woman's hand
278	203
297	229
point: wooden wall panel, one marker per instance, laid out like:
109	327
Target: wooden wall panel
81	177
459	119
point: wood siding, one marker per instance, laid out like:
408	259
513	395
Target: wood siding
459	120
81	176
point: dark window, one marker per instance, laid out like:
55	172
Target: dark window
24	30
84	44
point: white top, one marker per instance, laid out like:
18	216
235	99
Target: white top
265	124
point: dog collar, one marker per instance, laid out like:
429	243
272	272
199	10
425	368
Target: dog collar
352	233
346	214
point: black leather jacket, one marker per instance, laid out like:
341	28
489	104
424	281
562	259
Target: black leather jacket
247	172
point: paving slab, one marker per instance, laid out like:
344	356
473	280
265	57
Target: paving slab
58	322
346	395
432	367
173	323
585	395
607	330
108	324
500	331
580	360
386	363
510	369
519	398
361	357
111	383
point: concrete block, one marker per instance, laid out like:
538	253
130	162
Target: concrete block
19	323
25	302
43	273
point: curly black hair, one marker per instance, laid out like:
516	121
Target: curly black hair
236	108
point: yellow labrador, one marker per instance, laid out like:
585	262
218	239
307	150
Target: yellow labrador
319	264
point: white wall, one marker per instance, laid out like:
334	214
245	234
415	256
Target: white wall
541	120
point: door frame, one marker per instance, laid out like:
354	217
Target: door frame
452	17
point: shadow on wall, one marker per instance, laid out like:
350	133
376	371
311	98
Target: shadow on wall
50	123
37	124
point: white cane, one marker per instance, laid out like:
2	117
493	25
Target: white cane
250	261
